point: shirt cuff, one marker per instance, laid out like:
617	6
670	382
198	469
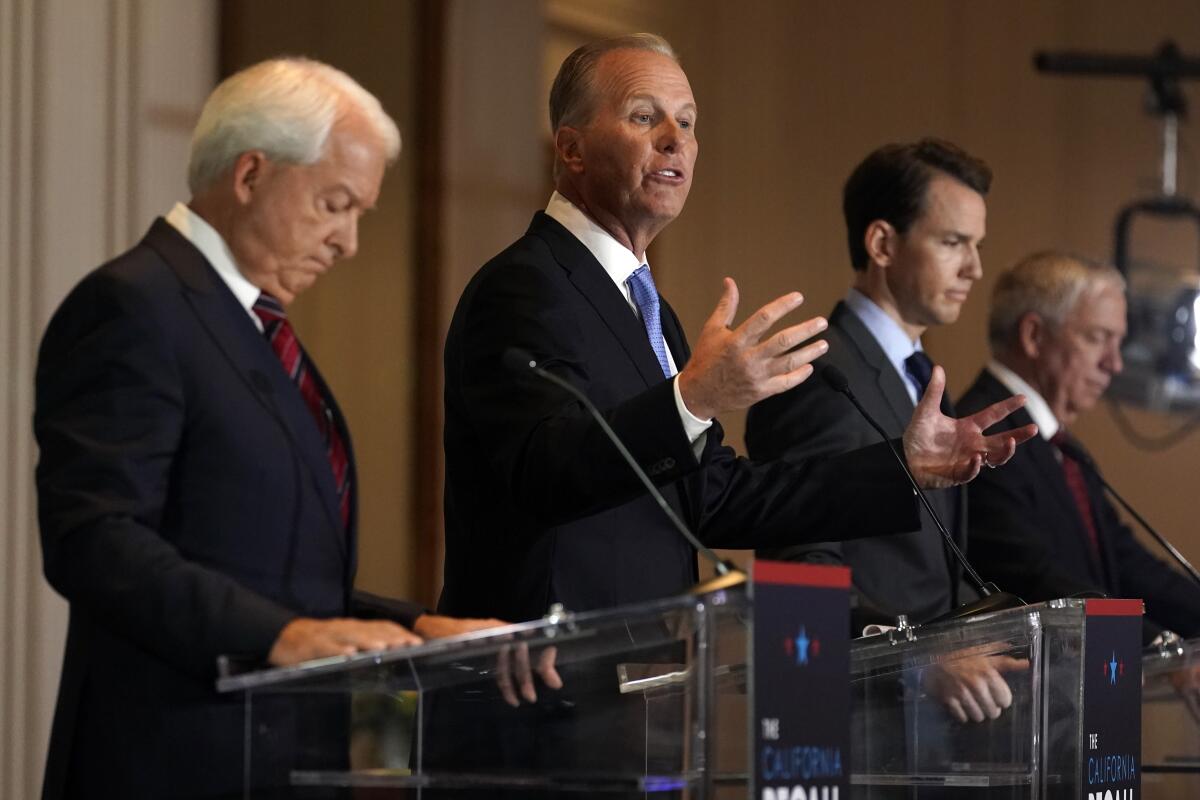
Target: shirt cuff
693	426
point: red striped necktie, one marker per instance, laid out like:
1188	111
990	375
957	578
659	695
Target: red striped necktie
291	355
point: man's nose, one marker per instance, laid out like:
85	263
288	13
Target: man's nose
345	238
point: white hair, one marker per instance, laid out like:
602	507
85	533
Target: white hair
1049	283
285	107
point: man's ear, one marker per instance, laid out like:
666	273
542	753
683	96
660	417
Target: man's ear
569	146
1031	334
880	241
247	173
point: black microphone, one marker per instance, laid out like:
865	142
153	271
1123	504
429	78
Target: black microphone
1073	451
992	599
520	360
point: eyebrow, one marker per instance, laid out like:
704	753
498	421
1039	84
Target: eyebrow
652	100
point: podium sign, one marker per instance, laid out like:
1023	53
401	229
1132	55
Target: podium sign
1112	714
801	687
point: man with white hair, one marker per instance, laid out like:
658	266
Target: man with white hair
196	483
1042	527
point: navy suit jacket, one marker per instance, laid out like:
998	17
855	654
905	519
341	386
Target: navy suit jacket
1028	537
187	511
912	573
539	506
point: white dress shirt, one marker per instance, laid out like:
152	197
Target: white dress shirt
620	262
210	244
1035	404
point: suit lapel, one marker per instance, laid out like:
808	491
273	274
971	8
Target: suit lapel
585	272
889	385
1045	462
224	319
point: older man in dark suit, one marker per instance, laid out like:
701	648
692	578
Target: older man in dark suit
1042	527
539	507
196	481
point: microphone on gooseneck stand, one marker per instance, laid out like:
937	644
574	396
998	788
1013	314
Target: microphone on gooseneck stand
728	574
991	598
1070	450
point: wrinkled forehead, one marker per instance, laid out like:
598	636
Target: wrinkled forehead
1100	305
622	75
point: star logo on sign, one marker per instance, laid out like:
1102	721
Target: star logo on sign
1112	670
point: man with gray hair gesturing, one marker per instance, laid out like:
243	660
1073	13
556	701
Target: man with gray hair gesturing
1042	527
196	481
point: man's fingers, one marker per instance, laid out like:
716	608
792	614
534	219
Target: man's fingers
726	310
504	676
989	416
791	336
523	674
1000	691
761	321
970	706
781	383
956	710
547	670
931	400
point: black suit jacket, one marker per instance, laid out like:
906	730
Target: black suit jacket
539	506
912	573
187	510
1027	535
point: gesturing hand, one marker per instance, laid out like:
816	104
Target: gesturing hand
942	451
732	369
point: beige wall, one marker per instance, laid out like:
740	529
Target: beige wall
792	95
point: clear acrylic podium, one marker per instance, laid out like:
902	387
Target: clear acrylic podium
653	701
905	740
1171	720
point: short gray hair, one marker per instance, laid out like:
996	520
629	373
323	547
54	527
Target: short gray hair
1048	283
285	107
571	95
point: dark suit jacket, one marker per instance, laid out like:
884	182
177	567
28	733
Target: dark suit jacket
187	510
539	506
912	573
1027	535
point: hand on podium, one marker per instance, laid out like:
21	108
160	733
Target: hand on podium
971	683
304	639
514	672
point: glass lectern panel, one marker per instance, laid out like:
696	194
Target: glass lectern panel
1171	720
919	729
652	701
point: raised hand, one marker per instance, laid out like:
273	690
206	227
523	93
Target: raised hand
943	452
732	369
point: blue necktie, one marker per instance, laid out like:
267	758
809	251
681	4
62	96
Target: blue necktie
920	368
645	296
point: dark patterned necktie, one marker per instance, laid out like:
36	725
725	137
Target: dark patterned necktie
645	295
1073	472
295	363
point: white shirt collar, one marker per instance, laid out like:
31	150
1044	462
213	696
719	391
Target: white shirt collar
205	238
1035	404
617	259
887	332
